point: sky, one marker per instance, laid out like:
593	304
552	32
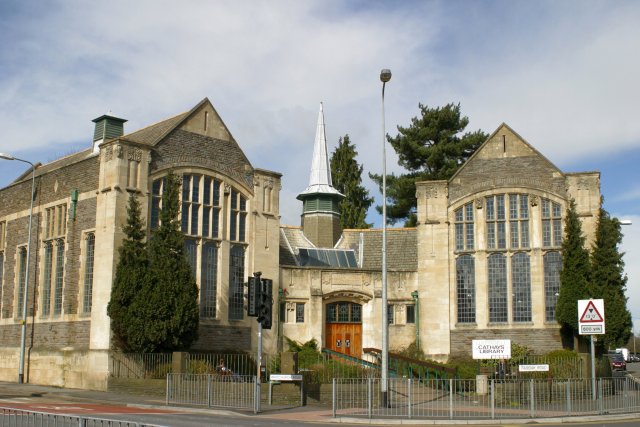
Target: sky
564	75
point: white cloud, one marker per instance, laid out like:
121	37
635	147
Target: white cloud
562	74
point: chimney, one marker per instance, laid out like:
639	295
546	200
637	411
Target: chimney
107	127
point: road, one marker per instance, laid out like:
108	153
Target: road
153	411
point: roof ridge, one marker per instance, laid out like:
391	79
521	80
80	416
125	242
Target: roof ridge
155	124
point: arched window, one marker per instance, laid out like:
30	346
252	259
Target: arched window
466	289
498	302
552	267
521	281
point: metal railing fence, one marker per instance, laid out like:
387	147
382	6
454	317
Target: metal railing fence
11	417
488	399
226	391
239	364
140	365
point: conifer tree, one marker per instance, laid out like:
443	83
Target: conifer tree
609	281
346	175
575	276
131	277
431	148
168	304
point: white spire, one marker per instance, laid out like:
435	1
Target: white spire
320	177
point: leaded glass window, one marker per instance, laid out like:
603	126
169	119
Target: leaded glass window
551	224
343	312
59	278
498	302
521	282
22	273
552	267
466	289
238	219
236	283
519	220
391	309
464	227
299	312
88	272
191	251
46	280
411	314
209	285
190	212
496	222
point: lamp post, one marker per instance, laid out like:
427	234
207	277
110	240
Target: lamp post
633	324
23	321
385	76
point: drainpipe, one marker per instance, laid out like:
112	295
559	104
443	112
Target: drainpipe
416	301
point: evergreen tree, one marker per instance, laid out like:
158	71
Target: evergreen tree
346	174
609	281
131	277
168	305
574	277
431	148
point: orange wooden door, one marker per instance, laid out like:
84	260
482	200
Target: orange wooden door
344	338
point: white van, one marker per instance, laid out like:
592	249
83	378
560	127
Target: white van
624	352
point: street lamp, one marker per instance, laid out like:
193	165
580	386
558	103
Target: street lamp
23	321
385	76
633	325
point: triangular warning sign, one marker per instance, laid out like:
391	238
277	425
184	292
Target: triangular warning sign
591	314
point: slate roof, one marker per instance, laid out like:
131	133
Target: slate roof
62	162
153	133
402	247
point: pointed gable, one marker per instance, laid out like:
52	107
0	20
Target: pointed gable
505	159
197	138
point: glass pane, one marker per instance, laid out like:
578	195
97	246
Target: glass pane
343	312
498	309
195	192
500	207
356	313
206	191
184	215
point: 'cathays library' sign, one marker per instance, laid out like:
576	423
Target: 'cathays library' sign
491	349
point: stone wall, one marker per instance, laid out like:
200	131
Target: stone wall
539	340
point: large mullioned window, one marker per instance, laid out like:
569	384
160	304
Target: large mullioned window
206	204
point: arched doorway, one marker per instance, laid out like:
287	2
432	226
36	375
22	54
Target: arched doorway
343	328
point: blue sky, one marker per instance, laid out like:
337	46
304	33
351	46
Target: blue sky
564	75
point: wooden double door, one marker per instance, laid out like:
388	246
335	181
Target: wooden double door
343	328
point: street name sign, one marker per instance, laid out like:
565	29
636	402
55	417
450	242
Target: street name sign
533	368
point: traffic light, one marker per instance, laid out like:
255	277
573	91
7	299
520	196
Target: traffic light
253	296
265	305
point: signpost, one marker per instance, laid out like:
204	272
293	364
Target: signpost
591	322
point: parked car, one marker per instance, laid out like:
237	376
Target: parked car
617	362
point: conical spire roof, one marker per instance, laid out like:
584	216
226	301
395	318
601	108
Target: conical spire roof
320	177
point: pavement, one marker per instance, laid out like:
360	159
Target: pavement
76	401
